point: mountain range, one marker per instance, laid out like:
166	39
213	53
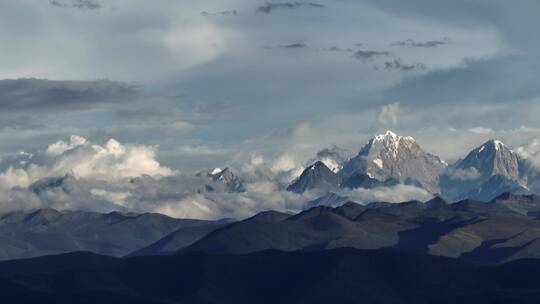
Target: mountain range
505	229
343	275
25	234
410	252
389	159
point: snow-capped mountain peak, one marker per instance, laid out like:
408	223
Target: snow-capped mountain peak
389	135
493	145
492	158
316	176
498	144
392	142
389	156
488	170
216	171
224	177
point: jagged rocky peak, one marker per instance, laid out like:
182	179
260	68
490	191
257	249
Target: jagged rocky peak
490	159
486	172
226	178
318	165
233	182
390	136
317	176
389	145
389	156
222	174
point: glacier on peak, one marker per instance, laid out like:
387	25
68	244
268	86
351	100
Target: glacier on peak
389	156
216	171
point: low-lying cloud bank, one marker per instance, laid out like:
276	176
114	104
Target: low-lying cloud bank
77	174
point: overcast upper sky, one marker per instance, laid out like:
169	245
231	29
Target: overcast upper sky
214	82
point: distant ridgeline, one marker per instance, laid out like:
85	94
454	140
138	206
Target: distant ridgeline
504	229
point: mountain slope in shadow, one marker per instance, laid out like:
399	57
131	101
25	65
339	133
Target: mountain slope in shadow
179	239
465	229
48	231
332	276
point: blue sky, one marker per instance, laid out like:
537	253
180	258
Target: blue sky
210	82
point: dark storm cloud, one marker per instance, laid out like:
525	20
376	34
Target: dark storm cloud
41	94
270	7
82	4
338	49
222	13
422	44
399	65
294	46
300	45
368	54
481	81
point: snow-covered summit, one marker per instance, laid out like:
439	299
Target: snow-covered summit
492	143
389	156
216	171
487	171
492	158
392	136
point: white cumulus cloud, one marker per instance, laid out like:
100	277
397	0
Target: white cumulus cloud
83	159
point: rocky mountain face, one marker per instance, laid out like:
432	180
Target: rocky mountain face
389	159
180	238
386	160
223	179
492	158
486	172
316	177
